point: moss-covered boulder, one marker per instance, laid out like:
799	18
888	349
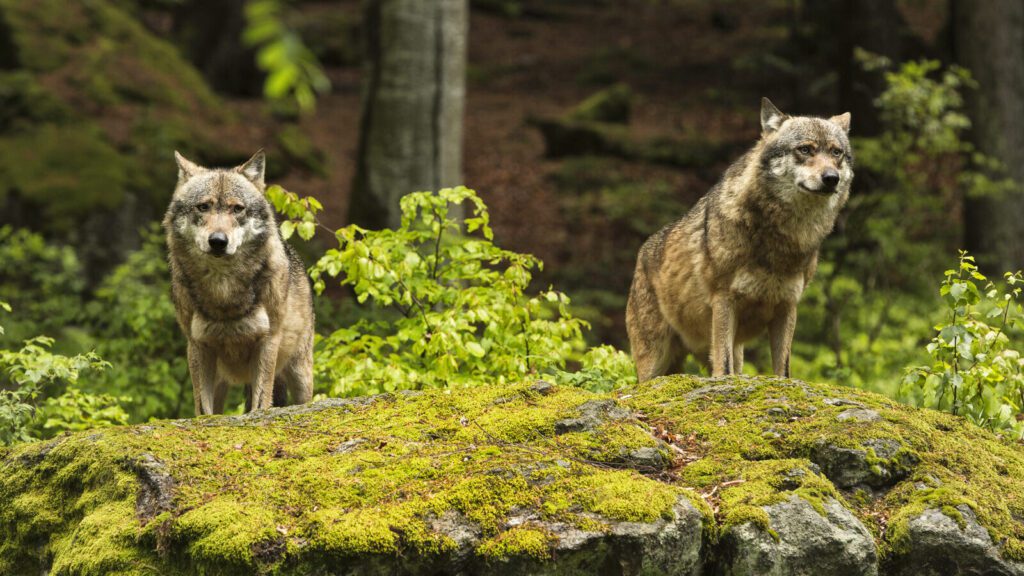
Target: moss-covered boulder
677	476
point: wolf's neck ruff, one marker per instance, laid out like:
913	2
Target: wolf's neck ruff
225	297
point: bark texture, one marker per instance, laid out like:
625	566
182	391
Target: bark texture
989	40
413	100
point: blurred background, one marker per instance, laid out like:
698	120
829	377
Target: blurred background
585	125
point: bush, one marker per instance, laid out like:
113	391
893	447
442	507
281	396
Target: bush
28	374
43	281
454	309
975	371
132	322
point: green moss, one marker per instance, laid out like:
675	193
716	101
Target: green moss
362	479
41	166
382	478
754	432
522	541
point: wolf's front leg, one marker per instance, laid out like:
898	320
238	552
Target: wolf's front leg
723	335
202	366
263	377
781	334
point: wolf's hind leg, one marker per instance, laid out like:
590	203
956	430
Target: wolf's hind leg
723	335
202	368
780	331
297	377
654	345
280	392
737	359
220	394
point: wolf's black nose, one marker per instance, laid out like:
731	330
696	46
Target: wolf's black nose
830	178
218	242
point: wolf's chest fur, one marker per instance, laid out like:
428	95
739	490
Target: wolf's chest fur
225	292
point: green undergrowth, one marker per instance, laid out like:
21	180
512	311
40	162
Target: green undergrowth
329	484
398	478
752	442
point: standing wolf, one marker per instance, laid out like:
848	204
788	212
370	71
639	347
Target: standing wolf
739	260
240	293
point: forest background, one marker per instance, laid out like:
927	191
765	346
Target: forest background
582	125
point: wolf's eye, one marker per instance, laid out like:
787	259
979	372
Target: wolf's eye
837	152
804	150
203	207
237	209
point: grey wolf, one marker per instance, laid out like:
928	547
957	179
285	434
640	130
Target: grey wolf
737	263
241	295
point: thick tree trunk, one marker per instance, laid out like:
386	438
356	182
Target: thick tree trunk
413	99
989	40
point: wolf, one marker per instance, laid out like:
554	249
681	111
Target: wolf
737	263
240	293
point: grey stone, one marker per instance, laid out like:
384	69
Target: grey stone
842	402
543	387
649	458
156	486
859	415
809	543
850	467
670	547
938	546
592	414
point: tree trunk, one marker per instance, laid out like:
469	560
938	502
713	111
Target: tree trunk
210	34
989	40
413	97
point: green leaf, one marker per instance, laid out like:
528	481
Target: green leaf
287	228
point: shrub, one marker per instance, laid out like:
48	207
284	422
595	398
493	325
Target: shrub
975	371
132	322
43	281
27	374
454	308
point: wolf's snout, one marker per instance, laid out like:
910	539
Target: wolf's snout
218	242
830	178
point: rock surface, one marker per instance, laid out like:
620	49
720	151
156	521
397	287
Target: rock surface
677	476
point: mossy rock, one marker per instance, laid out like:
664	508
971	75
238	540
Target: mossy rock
680	475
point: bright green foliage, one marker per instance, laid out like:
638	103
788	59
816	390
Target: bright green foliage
132	325
24	376
75	410
602	369
292	69
975	372
465	312
43	281
299	213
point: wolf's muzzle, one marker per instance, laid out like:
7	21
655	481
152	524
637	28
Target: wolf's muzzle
218	243
830	179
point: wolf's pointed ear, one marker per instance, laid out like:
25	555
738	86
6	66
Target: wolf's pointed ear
186	168
842	120
771	117
253	168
